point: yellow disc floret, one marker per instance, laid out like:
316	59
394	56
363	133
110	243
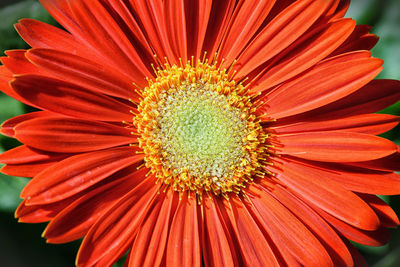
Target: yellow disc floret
198	131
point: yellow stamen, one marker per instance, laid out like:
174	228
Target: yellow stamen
198	131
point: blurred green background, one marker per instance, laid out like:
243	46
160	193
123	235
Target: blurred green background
21	244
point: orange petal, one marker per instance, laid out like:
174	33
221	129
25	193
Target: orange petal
183	248
83	72
327	194
283	30
24	154
353	178
385	213
69	135
326	82
367	123
68	99
285	230
337	250
115	231
7	127
335	146
254	245
375	238
75	220
77	173
148	250
246	20
218	246
304	53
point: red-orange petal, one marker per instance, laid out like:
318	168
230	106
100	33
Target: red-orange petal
151	17
360	39
175	20
351	177
221	13
75	220
340	9
101	30
389	163
304	53
285	230
218	245
68	99
256	251
245	21
28	169
148	250
375	238
366	123
199	11
115	231
24	154
322	230
358	259
386	214
7	127
326	82
327	194
371	98
183	247
17	62
84	72
70	135
77	173
42	35
43	213
335	146
283	30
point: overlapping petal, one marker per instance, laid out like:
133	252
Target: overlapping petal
68	99
77	173
70	135
76	219
284	29
335	146
326	194
327	82
309	81
125	218
183	246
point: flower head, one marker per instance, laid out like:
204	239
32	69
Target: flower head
203	133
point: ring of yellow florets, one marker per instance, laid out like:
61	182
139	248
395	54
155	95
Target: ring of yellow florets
198	131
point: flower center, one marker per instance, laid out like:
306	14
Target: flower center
198	131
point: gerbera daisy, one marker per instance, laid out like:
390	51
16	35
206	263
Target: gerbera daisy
203	133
